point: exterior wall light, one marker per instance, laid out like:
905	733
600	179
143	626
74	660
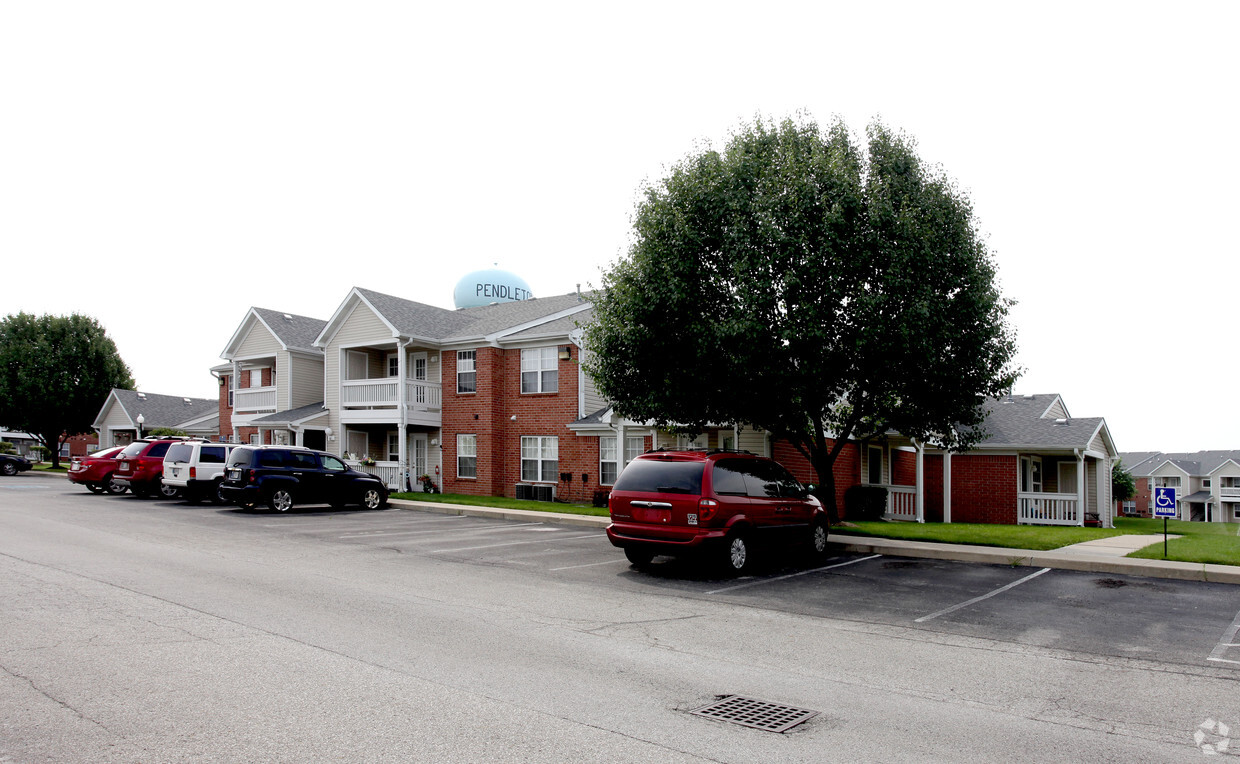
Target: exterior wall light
566	352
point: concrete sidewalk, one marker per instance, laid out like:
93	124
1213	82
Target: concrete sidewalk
1100	556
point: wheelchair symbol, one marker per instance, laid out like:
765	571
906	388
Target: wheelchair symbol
1164	499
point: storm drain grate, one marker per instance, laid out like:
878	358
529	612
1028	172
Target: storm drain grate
758	714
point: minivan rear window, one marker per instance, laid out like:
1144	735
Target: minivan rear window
654	476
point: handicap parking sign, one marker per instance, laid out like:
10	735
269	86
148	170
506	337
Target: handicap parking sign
1164	502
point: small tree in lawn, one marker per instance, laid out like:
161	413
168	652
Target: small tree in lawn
1123	484
55	373
796	283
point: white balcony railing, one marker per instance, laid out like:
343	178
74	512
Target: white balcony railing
368	392
422	395
1229	491
1048	509
901	502
389	472
254	399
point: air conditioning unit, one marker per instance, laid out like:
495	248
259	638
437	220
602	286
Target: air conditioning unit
524	491
544	492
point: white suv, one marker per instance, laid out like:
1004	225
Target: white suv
196	469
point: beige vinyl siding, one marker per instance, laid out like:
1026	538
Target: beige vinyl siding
258	342
1057	411
753	440
1098	444
361	327
116	418
304	380
592	400
1091	485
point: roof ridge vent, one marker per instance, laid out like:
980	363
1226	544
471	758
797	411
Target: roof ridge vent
142	396
287	317
1063	421
187	400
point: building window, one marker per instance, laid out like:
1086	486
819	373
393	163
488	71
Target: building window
1130	508
1205	482
633	448
1235	511
230	390
254	441
466	371
874	466
607	464
540	459
393	365
539	371
393	447
467	456
1167	482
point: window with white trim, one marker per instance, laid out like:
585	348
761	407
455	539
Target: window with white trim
540	371
1130	508
607	464
467	456
393	365
540	459
1205	482
466	371
393	447
230	390
633	448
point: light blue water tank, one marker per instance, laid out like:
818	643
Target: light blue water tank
490	286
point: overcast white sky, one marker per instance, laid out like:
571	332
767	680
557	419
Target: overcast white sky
164	166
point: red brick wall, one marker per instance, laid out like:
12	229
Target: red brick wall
488	414
80	445
847	468
904	467
225	409
983	488
932	487
1143	499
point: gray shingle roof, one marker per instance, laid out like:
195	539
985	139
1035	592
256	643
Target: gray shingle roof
164	410
1018	421
421	320
1197	463
296	332
292	415
558	326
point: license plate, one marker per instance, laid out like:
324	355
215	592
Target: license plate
175	471
124	467
234	474
643	515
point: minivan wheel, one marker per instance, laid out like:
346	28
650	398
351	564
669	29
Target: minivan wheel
280	500
738	553
818	534
639	557
372	498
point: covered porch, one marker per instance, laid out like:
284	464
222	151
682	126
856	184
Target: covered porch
399	462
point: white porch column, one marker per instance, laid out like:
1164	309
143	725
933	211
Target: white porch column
921	480
1080	489
402	419
620	462
947	486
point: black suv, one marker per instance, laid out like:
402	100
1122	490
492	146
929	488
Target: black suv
675	502
281	476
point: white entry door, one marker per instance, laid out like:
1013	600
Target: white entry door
418	450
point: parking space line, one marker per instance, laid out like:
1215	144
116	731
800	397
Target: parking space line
494	529
975	600
591	564
792	575
517	543
1228	641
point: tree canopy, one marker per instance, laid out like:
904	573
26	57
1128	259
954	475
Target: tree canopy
798	283
55	372
1123	484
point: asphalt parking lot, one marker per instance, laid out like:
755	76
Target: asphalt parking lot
1105	615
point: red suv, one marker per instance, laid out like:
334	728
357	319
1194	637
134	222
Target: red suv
95	471
725	502
141	467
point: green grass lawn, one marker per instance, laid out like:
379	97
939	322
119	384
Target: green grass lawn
1200	542
504	503
47	466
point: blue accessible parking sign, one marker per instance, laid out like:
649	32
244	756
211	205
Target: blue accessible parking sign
1164	503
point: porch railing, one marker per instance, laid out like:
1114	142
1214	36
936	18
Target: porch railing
423	395
389	472
254	399
1048	509
1228	490
901	502
368	392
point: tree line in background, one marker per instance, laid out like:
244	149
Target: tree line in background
55	372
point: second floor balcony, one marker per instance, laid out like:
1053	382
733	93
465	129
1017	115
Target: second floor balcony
380	400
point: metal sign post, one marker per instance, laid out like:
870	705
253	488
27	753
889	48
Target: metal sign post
1164	507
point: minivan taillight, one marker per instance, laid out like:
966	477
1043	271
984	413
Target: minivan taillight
706	509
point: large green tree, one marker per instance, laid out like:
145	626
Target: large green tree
798	283
55	372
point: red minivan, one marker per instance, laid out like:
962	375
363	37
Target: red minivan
141	467
676	502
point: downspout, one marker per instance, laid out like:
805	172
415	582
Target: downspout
1080	487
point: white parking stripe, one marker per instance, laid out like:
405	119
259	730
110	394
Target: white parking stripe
793	575
518	543
592	564
1228	641
987	596
421	532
